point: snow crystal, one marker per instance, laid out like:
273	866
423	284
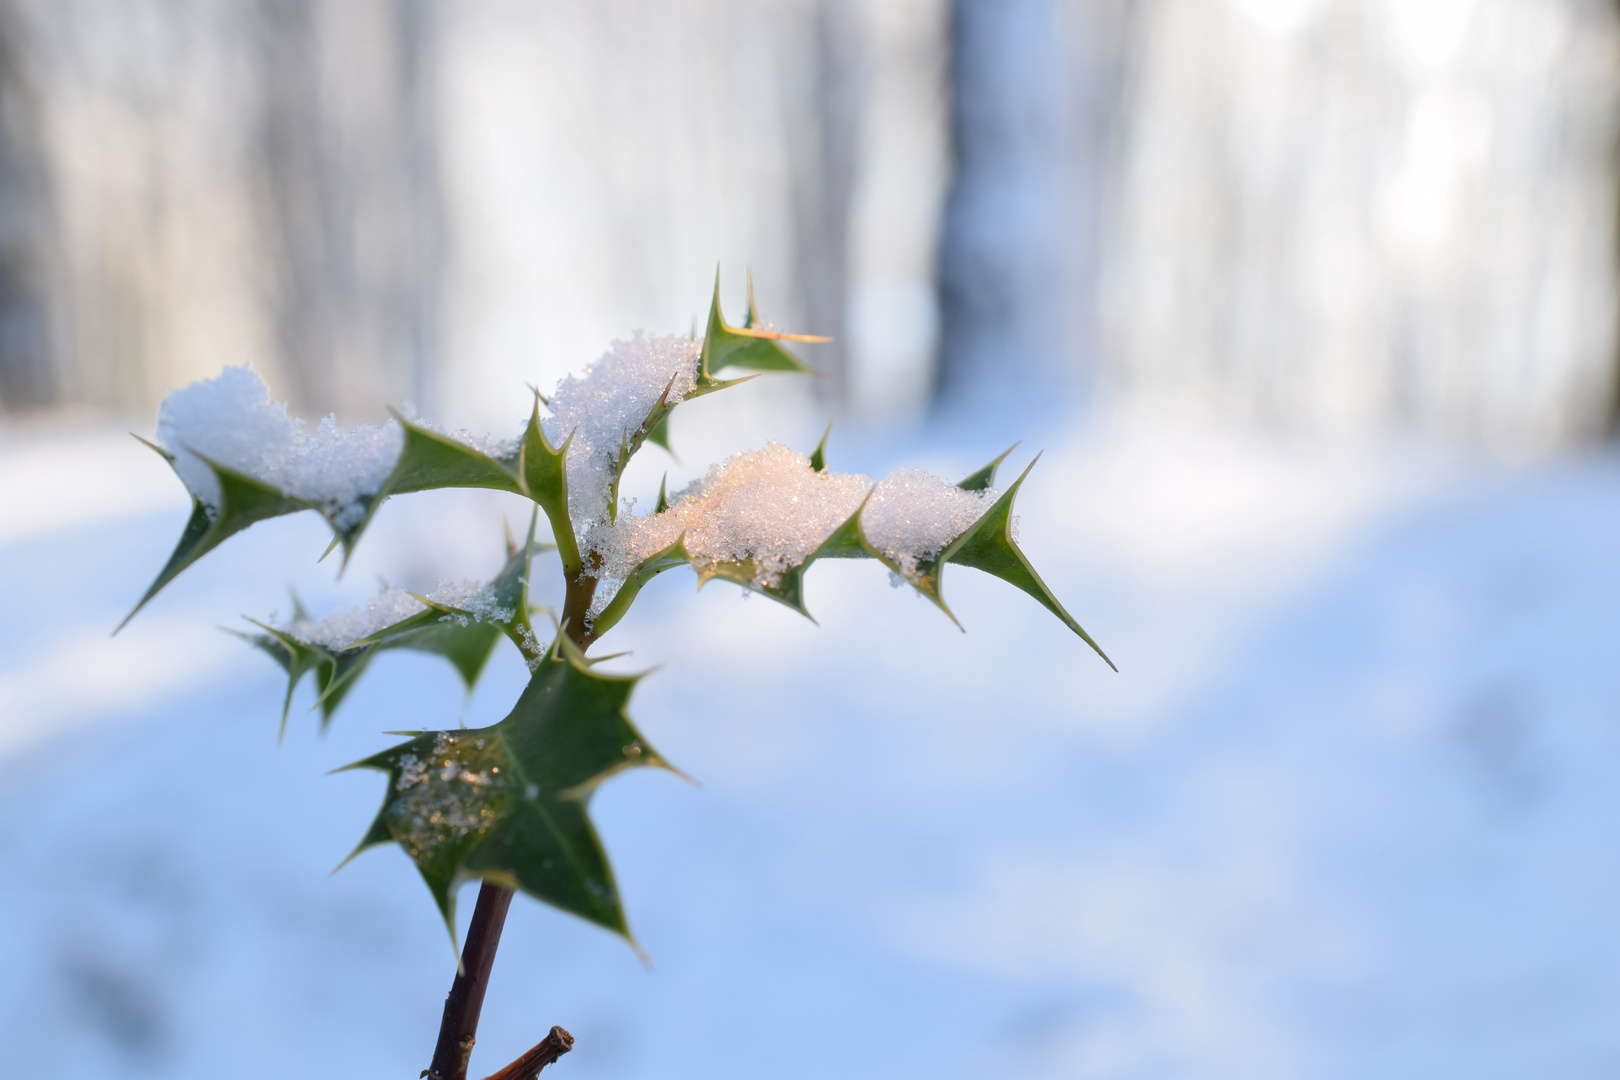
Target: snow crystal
342	629
769	506
605	405
231	421
913	515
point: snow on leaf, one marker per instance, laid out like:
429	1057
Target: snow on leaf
508	802
989	546
461	623
760	520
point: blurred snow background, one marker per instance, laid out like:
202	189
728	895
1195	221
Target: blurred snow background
1310	303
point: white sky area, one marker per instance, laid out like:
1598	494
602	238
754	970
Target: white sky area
1346	811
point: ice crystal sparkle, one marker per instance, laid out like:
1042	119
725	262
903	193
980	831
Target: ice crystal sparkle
769	506
914	515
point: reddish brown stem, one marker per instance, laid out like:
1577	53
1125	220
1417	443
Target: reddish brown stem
543	1053
459	1029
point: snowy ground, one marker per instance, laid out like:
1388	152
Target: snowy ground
1349	809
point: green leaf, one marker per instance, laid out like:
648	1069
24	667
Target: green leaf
748	346
243	501
668	559
544	469
989	546
464	638
844	542
663	495
818	456
659	435
335	671
507	803
985	479
430	460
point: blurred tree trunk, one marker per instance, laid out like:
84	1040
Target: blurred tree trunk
1003	275
826	183
348	152
27	379
239	181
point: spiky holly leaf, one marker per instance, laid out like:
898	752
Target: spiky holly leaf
659	434
335	670
750	345
508	802
430	460
668	559
818	456
464	635
544	469
243	501
988	545
984	479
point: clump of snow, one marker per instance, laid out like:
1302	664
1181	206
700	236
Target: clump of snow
769	506
231	421
914	515
604	405
473	601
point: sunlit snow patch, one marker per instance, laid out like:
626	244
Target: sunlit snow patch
772	508
605	405
231	421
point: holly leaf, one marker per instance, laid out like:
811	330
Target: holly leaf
659	435
544	471
464	637
749	346
984	479
988	545
508	803
430	460
818	456
243	501
334	670
668	559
